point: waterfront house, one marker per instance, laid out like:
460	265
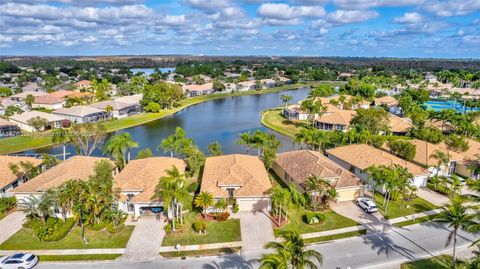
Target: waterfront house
119	109
248	85
294	112
242	178
138	180
346	102
10	180
297	166
24	120
83	114
196	90
8	128
334	119
359	157
267	83
54	100
130	99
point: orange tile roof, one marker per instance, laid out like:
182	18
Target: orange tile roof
300	164
203	87
364	156
387	100
235	170
6	175
337	116
82	83
144	174
399	125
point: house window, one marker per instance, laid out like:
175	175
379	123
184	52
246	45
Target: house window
230	192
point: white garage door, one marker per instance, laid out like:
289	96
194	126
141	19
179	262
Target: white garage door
253	204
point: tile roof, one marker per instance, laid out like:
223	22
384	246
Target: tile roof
399	125
77	167
132	99
364	156
6	175
78	111
143	175
6	123
244	171
26	93
25	116
336	116
425	150
203	87
116	105
82	83
300	164
387	100
53	98
473	151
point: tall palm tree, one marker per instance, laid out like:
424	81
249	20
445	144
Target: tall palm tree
291	253
286	99
61	136
281	200
176	142
456	217
246	139
204	200
120	145
316	187
441	157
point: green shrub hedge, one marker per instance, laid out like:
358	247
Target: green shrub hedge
313	218
53	230
199	226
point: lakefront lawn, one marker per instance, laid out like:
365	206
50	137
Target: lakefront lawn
274	120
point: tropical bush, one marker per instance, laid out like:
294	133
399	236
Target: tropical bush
221	216
199	226
235	208
168	227
193	187
313	218
53	230
7	204
114	229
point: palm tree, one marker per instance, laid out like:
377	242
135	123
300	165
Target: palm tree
29	99
441	157
285	99
280	200
297	197
204	200
291	253
61	136
119	145
316	187
456	217
246	139
176	142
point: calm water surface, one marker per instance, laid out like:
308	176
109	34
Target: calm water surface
149	71
219	120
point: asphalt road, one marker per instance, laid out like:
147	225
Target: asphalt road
374	250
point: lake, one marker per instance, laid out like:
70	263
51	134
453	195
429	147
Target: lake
149	71
219	120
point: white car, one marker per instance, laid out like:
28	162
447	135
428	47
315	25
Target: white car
19	261
367	204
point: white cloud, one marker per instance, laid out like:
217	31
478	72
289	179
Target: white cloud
409	18
366	4
286	12
351	16
452	7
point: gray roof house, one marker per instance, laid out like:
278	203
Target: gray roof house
119	109
83	114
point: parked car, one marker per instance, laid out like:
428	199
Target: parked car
19	261
367	204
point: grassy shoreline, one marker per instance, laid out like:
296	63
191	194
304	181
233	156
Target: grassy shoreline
272	119
23	143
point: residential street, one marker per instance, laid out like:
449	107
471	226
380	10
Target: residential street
374	250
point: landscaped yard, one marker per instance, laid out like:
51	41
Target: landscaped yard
25	240
397	209
206	252
332	221
217	231
439	262
87	257
274	120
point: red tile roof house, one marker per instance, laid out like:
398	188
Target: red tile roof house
54	100
196	90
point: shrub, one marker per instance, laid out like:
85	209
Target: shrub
314	218
6	204
193	187
97	226
168	227
221	216
235	208
115	229
54	230
199	226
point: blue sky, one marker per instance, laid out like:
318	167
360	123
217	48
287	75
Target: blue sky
374	28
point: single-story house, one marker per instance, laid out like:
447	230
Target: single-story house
83	114
9	180
137	182
471	159
31	87
83	85
444	126
334	119
297	166
267	83
390	102
23	120
119	109
196	90
293	112
6	102
8	128
246	85
240	177
77	167
131	99
53	100
398	125
357	158
21	96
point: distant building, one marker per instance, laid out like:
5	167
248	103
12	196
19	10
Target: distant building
398	125
83	85
23	120
21	96
390	102
334	119
294	112
119	109
83	114
197	90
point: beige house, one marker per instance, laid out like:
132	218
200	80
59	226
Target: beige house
240	177
334	119
358	157
8	128
390	102
471	159
83	114
196	90
137	182
119	109
24	120
423	157
399	126
297	166
294	112
9	180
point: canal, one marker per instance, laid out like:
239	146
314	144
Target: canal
219	120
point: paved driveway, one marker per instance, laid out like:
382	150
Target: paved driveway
146	240
433	197
256	232
372	221
11	224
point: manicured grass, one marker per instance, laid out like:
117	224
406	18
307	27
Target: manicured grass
334	237
217	231
25	240
332	221
417	220
274	120
396	209
439	262
206	252
86	257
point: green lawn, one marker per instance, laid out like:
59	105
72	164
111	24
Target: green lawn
206	252
417	220
396	209
25	240
332	221
86	257
217	231
274	120
439	262
334	237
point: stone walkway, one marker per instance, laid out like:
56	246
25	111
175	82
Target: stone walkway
11	224
146	240
256	231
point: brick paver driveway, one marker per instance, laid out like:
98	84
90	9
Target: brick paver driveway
146	240
256	232
11	224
